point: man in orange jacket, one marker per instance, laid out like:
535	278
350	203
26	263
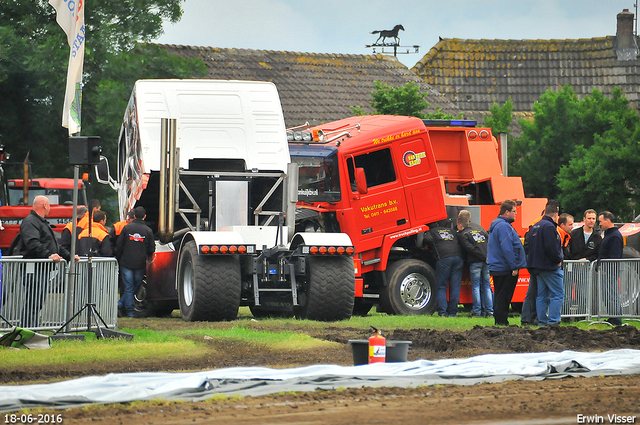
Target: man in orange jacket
118	226
565	226
99	242
65	237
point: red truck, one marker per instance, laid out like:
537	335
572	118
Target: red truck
13	207
383	180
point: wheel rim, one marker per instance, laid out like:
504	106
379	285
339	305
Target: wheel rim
187	283
415	291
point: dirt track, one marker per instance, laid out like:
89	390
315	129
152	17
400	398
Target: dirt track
550	400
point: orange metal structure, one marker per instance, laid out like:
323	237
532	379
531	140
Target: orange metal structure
383	180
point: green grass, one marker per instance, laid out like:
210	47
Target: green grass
93	350
274	334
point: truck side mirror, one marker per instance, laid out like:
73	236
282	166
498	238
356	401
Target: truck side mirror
102	170
361	181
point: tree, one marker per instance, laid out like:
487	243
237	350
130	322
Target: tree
603	176
563	128
500	118
405	100
33	66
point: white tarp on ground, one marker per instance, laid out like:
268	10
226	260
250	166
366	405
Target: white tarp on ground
255	381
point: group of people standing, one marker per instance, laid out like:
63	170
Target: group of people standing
451	247
130	241
500	254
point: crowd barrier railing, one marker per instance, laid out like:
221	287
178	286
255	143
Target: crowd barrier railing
578	289
36	294
617	283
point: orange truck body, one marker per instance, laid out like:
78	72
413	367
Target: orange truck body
416	174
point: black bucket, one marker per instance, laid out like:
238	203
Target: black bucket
396	351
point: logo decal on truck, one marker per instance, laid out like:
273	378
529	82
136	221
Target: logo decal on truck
411	158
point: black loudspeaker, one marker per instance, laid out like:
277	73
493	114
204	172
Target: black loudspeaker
84	150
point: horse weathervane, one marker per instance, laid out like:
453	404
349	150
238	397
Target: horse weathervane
393	33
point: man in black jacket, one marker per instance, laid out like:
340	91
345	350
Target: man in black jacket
585	241
474	239
134	246
38	241
443	240
611	248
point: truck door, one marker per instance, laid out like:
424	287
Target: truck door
382	209
422	186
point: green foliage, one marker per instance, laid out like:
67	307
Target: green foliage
500	118
33	66
405	100
579	151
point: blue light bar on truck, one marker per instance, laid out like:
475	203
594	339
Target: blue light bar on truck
450	123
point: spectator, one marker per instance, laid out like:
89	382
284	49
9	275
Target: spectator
95	206
585	241
113	236
505	255
134	246
38	241
565	226
444	242
610	248
474	240
65	237
119	225
529	314
98	244
545	263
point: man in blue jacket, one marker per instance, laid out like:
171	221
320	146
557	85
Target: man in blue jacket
545	262
505	255
610	248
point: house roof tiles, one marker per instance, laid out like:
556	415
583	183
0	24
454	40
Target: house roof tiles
313	87
475	73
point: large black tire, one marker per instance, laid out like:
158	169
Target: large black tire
411	288
328	290
208	286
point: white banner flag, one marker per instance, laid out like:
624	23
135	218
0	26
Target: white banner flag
70	16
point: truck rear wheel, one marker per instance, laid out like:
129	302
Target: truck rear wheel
329	289
411	288
208	286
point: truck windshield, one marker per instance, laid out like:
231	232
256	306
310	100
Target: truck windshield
56	196
318	173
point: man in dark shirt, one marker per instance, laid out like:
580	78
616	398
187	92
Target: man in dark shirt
544	260
443	240
610	248
474	240
585	241
38	242
134	246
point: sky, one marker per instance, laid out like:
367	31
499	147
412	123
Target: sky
345	26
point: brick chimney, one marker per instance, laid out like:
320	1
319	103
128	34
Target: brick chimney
626	45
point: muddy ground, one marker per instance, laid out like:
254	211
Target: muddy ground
552	401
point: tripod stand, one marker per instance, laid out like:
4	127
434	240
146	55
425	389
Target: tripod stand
89	306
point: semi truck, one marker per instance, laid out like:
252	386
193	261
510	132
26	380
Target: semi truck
383	180
209	161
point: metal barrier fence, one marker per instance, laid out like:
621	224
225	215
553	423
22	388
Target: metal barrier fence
578	290
618	285
610	290
36	294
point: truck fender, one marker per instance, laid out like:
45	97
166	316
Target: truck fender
326	239
213	238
